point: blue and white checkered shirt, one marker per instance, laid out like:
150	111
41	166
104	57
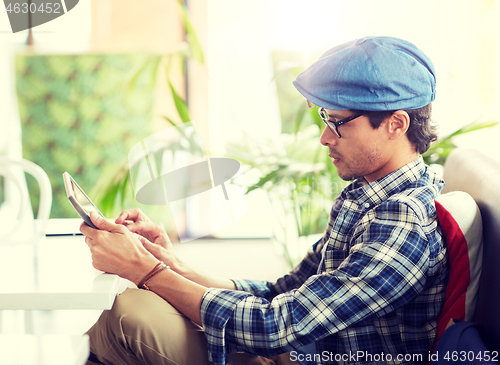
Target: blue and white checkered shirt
370	289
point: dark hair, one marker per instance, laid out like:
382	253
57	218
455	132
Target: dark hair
421	133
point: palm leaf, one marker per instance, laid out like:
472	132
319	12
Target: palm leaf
191	37
439	151
180	104
149	68
474	126
194	145
268	177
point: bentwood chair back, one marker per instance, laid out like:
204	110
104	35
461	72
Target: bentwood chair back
17	223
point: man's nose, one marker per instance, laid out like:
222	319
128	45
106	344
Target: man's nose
328	138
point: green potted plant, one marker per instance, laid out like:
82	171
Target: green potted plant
113	191
301	182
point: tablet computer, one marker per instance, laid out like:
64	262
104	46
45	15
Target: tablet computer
80	201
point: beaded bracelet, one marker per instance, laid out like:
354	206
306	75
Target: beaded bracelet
160	266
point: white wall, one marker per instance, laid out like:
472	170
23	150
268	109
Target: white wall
462	37
68	33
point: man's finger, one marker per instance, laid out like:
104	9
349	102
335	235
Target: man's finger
143	240
103	224
138	227
122	217
130	214
86	229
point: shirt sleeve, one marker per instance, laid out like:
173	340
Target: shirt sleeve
384	270
305	269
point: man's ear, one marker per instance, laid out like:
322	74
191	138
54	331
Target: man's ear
398	123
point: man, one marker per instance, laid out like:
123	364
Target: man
368	292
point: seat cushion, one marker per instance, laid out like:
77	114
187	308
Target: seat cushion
460	220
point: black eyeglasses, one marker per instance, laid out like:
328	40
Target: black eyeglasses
333	124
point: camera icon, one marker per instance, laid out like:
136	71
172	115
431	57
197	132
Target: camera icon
26	14
171	168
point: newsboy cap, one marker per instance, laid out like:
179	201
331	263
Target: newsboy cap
372	74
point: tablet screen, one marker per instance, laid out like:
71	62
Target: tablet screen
82	198
80	201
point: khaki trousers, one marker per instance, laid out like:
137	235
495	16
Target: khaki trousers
143	328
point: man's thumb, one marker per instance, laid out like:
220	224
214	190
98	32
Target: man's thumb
100	222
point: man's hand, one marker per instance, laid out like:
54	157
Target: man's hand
136	221
155	240
116	250
152	235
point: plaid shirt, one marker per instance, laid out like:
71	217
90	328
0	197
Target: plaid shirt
372	286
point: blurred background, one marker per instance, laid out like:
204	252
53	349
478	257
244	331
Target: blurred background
78	92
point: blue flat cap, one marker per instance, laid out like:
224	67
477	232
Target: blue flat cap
372	74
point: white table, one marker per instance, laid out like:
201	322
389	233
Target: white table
56	273
43	350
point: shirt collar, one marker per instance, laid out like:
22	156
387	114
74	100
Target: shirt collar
371	194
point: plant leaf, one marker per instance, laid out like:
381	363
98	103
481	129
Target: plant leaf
191	37
194	146
474	126
151	66
180	104
439	150
299	117
123	190
264	179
